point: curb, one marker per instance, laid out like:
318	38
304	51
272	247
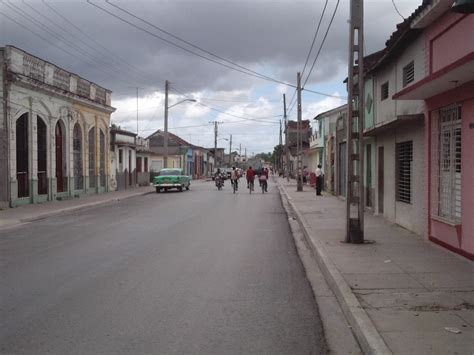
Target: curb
71	209
365	331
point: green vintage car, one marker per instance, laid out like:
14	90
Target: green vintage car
171	179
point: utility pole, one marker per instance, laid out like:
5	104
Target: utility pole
354	127
299	186
230	150
286	140
280	151
216	160
165	138
137	111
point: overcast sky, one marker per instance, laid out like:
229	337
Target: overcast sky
261	37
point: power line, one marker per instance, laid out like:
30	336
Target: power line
314	38
112	57
322	43
189	43
396	9
247	71
226	113
47	30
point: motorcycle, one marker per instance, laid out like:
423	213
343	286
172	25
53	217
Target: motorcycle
219	182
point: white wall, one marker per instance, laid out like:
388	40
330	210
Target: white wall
409	215
388	109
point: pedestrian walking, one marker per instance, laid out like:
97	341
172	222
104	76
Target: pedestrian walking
319	180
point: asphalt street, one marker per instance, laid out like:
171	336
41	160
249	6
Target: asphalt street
202	271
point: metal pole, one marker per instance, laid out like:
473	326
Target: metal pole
215	145
165	138
299	186
286	140
137	111
230	150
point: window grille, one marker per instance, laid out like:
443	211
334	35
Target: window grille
404	156
384	91
449	164
408	73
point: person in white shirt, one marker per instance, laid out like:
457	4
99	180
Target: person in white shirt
319	180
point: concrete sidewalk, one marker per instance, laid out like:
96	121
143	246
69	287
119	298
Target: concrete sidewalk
401	294
14	216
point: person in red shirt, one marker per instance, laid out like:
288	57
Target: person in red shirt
250	174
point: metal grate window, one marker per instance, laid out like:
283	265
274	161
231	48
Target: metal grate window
384	91
404	158
449	164
408	73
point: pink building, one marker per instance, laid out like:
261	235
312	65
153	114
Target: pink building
448	92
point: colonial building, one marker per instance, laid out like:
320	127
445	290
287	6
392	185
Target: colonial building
447	90
53	131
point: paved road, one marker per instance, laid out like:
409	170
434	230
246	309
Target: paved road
203	271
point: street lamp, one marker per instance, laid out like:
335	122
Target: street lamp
165	143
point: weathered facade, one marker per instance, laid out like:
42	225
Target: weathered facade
447	89
54	130
123	155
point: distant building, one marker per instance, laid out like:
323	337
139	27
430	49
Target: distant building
129	159
54	135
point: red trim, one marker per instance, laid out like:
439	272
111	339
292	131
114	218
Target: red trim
462	17
467	58
452	248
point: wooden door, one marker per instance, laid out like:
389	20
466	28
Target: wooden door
59	158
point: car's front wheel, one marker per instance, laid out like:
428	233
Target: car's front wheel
180	189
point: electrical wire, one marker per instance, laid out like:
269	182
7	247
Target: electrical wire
314	37
14	8
247	72
225	112
189	43
396	9
113	57
322	44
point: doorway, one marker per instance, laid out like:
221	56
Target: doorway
368	174
380	179
59	158
342	169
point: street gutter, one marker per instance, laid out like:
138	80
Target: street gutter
365	331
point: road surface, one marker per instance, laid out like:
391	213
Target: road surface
201	271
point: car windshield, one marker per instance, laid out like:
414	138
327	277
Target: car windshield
170	172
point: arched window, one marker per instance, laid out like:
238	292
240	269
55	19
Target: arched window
102	159
22	155
92	157
77	156
61	178
42	157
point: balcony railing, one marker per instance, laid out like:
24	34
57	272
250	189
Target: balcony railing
50	74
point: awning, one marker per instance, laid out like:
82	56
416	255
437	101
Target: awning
448	78
389	125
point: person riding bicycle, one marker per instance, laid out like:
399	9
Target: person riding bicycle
234	177
264	179
250	174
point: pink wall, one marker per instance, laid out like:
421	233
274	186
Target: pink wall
461	239
446	39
